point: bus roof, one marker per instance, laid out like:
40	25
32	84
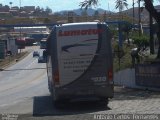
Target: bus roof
81	23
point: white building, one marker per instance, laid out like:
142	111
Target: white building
39	29
10	44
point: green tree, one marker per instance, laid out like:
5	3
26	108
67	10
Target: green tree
88	3
141	41
11	4
48	10
38	9
96	14
84	14
156	15
126	28
148	5
42	9
121	4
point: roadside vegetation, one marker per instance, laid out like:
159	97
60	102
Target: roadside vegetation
149	6
12	59
122	61
122	55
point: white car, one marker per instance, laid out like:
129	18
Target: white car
36	54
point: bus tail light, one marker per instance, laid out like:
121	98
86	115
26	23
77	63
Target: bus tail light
110	74
56	77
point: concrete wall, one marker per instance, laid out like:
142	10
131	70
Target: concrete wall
125	78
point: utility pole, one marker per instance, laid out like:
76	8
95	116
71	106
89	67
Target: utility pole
20	23
20	14
151	35
133	13
20	4
139	17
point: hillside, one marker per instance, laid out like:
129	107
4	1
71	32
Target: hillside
89	11
129	12
144	14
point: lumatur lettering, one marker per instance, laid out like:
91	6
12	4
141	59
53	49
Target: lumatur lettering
80	32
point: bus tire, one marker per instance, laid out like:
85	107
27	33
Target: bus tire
59	103
104	101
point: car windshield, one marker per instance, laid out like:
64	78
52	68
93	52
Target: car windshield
35	51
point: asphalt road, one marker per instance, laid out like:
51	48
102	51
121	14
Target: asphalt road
24	92
22	81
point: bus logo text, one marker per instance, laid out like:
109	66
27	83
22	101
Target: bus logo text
80	32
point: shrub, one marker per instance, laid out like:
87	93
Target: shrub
141	41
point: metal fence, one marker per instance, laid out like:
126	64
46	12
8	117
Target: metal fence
148	75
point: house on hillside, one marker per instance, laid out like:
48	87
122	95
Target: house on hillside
29	8
14	11
6	15
4	8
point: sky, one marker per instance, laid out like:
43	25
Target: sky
58	5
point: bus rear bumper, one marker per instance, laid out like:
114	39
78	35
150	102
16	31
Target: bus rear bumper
86	94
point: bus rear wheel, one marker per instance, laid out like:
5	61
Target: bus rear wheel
60	103
104	101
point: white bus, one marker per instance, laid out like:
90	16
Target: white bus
79	62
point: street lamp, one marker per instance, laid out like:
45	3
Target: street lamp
20	4
20	23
